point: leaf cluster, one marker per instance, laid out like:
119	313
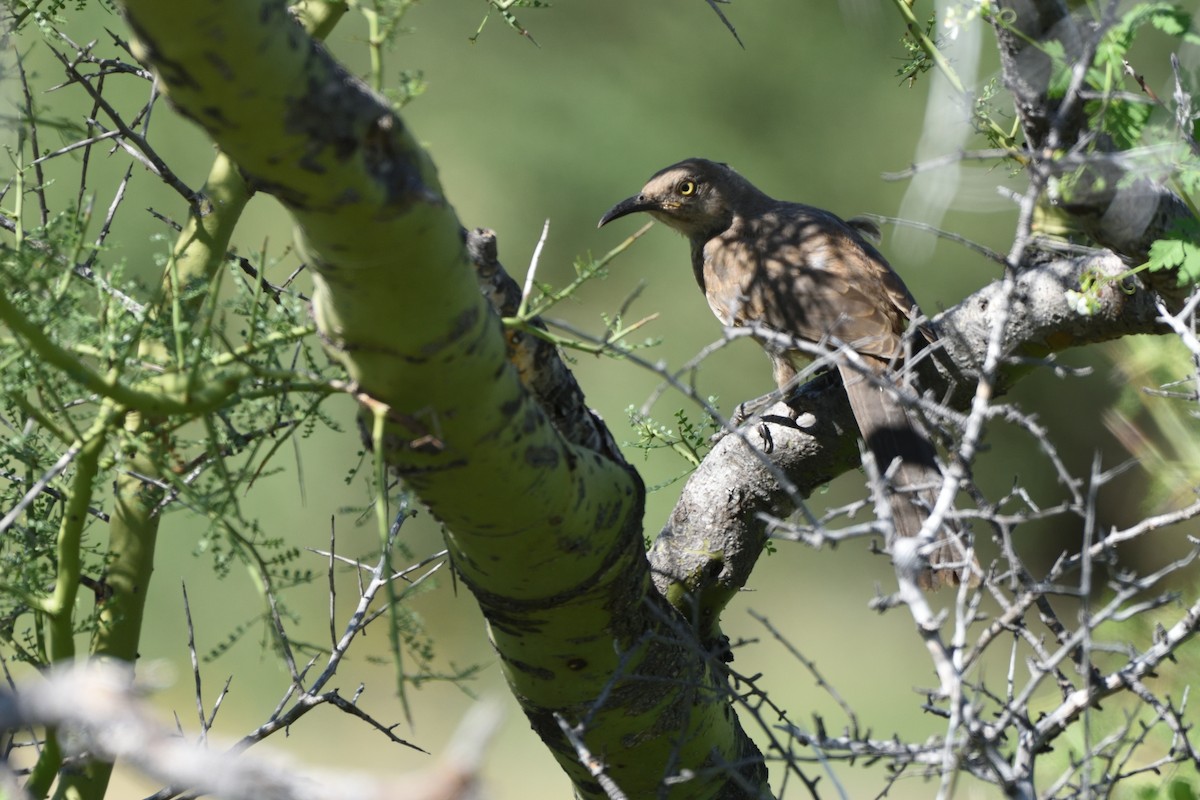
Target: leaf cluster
1134	134
690	439
917	59
505	9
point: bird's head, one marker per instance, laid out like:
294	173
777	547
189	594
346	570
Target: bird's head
696	197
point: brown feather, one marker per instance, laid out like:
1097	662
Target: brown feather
891	433
803	272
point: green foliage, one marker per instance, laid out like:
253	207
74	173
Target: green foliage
47	13
215	453
924	52
231	638
1124	117
200	385
385	23
387	17
504	8
917	58
1179	254
1123	121
408	86
586	270
985	111
1152	144
689	439
540	297
1169	18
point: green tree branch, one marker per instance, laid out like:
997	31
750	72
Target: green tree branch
546	533
198	254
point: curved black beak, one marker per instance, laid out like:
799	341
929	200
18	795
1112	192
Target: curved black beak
630	205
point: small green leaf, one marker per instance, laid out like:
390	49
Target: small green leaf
1124	121
1173	21
1060	79
1179	254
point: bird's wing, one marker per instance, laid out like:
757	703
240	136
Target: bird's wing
807	274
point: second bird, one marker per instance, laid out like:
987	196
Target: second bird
791	269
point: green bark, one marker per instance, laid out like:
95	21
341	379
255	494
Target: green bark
59	607
545	532
198	253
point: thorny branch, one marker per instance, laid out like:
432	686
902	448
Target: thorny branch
1058	624
104	709
298	699
1069	636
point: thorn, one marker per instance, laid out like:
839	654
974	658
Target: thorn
713	5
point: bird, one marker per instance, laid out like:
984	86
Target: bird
795	272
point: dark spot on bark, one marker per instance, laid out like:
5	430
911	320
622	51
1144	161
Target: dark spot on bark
219	64
542	457
510	407
413	472
296	201
607	514
215	118
174	73
462	325
575	545
310	163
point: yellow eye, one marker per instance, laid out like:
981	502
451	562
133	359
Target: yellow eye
686	188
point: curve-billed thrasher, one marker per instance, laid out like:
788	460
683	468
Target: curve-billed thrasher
799	271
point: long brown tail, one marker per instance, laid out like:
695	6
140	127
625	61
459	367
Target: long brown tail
890	433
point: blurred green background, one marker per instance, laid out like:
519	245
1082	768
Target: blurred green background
811	110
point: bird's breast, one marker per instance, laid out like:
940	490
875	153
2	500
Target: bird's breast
722	310
724	273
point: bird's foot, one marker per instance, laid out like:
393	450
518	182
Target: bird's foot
752	411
